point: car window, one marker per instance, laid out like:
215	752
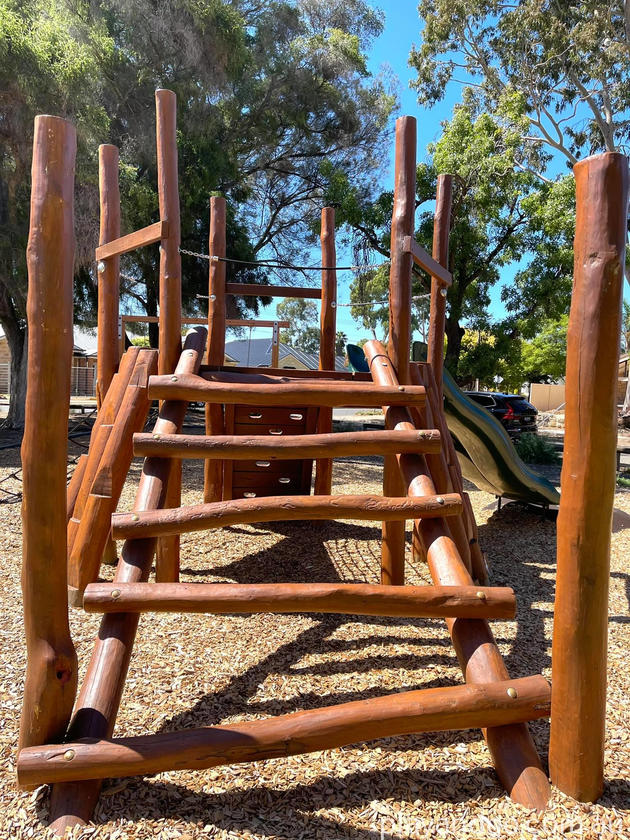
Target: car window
483	399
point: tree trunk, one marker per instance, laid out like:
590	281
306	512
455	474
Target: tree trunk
454	334
15	330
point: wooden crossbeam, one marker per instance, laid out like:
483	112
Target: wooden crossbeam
272	374
242	392
331	445
425	261
260	290
230	322
336	598
145	236
428	710
280	509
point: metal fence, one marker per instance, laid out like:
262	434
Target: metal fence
82	381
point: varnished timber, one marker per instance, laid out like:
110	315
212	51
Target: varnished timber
198	389
428	710
327	336
138	239
99	436
332	445
102	688
279	508
337	598
170	296
91	537
512	749
215	421
438	470
393	539
576	755
271	374
263	290
74	484
108	273
477	560
425	261
51	662
441	231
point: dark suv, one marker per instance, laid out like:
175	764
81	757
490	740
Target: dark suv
512	410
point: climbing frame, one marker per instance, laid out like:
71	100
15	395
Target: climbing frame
75	749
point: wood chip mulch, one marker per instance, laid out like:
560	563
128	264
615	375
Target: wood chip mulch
189	671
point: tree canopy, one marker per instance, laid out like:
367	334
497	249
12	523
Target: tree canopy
274	101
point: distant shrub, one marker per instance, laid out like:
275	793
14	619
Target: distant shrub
536	450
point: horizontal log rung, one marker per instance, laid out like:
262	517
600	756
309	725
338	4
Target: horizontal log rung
314	393
335	598
425	261
427	710
182	520
246	447
138	239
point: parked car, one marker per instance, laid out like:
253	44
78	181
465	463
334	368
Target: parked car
513	411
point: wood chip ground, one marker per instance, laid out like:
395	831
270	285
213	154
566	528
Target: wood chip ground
189	671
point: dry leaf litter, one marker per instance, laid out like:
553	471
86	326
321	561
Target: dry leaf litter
192	670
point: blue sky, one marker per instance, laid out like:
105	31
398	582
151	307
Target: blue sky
392	48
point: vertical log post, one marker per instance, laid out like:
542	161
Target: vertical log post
328	331
170	324
576	755
275	346
108	271
215	423
51	671
393	548
441	230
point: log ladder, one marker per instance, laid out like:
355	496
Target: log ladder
71	745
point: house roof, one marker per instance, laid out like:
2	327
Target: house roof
257	353
85	342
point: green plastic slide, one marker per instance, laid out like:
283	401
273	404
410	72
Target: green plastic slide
486	454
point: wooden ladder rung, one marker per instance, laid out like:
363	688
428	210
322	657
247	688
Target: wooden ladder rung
316	393
337	598
203	517
427	710
246	447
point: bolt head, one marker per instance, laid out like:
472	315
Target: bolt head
511	692
481	595
68	755
116	593
100	266
333	304
213	297
443	292
135	517
440	500
173	379
157	435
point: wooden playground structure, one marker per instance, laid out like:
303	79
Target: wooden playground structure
264	432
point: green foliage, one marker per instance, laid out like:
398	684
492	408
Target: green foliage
534	449
303	317
341	339
270	96
500	214
556	75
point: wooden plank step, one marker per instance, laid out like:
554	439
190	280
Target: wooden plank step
157	523
337	598
315	393
138	239
273	373
332	445
426	710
